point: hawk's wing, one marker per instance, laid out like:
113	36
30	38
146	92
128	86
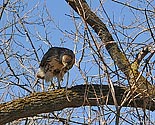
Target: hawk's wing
51	54
56	53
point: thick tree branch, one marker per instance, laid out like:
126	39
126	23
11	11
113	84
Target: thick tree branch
136	80
50	101
82	8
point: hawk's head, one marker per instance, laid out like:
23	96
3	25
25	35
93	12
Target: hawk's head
68	60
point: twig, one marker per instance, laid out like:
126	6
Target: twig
3	7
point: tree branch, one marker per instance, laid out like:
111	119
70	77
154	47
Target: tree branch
82	8
81	95
5	3
136	80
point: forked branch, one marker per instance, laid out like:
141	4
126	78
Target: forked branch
136	80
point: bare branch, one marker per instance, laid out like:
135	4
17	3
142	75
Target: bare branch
3	8
142	54
50	101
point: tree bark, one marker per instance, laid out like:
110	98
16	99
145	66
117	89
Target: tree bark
81	95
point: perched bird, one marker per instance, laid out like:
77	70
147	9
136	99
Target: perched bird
55	63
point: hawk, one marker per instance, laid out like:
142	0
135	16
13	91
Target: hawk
55	63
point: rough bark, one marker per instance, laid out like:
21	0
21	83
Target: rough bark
82	95
136	80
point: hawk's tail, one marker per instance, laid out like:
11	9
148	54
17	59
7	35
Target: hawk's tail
41	74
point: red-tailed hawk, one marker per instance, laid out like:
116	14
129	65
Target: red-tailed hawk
55	63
